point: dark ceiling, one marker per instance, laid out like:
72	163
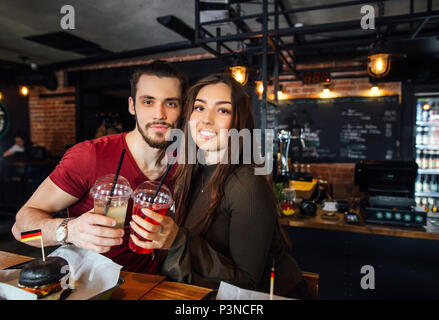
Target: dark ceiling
111	29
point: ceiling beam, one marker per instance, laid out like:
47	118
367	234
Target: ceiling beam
328	27
178	26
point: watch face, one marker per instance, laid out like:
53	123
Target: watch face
60	234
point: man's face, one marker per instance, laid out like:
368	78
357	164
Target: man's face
157	108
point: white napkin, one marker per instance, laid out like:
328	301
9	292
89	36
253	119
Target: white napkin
227	291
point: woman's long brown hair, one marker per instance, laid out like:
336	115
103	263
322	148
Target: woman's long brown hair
242	118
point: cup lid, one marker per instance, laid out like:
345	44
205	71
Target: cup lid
102	187
145	191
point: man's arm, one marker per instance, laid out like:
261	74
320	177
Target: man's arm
89	231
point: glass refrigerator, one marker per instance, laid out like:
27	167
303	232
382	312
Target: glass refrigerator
427	152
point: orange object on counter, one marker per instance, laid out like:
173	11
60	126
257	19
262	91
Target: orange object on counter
304	189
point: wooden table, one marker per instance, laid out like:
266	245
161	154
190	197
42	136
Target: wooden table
431	232
136	286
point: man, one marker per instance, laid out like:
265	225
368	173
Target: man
156	103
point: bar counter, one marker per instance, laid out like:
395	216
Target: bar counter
430	231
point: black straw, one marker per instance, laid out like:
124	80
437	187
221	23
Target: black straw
161	182
115	181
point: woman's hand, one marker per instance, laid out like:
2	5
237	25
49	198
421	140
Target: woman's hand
161	236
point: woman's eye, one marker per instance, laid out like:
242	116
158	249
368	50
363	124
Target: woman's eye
224	111
198	108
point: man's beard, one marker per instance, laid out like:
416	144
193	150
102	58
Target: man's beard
155	143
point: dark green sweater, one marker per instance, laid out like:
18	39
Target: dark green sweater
241	242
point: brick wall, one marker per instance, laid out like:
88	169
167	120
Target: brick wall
338	173
52	116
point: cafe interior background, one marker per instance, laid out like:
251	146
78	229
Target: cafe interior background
336	94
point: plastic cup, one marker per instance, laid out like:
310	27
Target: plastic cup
118	203
142	198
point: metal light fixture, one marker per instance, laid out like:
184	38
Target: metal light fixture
380	58
24	91
239	73
378	64
259	87
326	92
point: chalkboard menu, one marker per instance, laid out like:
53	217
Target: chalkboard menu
343	129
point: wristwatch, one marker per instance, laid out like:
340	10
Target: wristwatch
61	231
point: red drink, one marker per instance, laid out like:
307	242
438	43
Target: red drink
160	209
143	198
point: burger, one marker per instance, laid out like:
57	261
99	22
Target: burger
43	277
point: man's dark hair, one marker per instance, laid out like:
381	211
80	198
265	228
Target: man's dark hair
159	68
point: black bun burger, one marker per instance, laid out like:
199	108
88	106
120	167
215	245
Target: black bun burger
43	277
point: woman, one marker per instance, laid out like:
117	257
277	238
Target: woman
226	223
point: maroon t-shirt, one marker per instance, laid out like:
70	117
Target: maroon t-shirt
78	170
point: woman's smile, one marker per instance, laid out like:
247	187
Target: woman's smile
207	134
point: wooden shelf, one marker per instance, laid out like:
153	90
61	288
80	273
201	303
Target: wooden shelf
430	231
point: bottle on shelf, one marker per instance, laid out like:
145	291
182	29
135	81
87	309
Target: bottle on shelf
419	133
424	160
435	207
432	135
418	158
425	115
430	204
419	112
426	184
433	183
425	134
424	204
419	183
432	162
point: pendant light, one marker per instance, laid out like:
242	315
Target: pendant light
378	59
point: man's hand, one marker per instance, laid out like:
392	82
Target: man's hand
93	231
160	236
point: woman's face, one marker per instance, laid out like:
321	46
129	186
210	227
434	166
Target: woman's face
211	117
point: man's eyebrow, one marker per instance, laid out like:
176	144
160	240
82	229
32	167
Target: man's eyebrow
172	99
146	97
